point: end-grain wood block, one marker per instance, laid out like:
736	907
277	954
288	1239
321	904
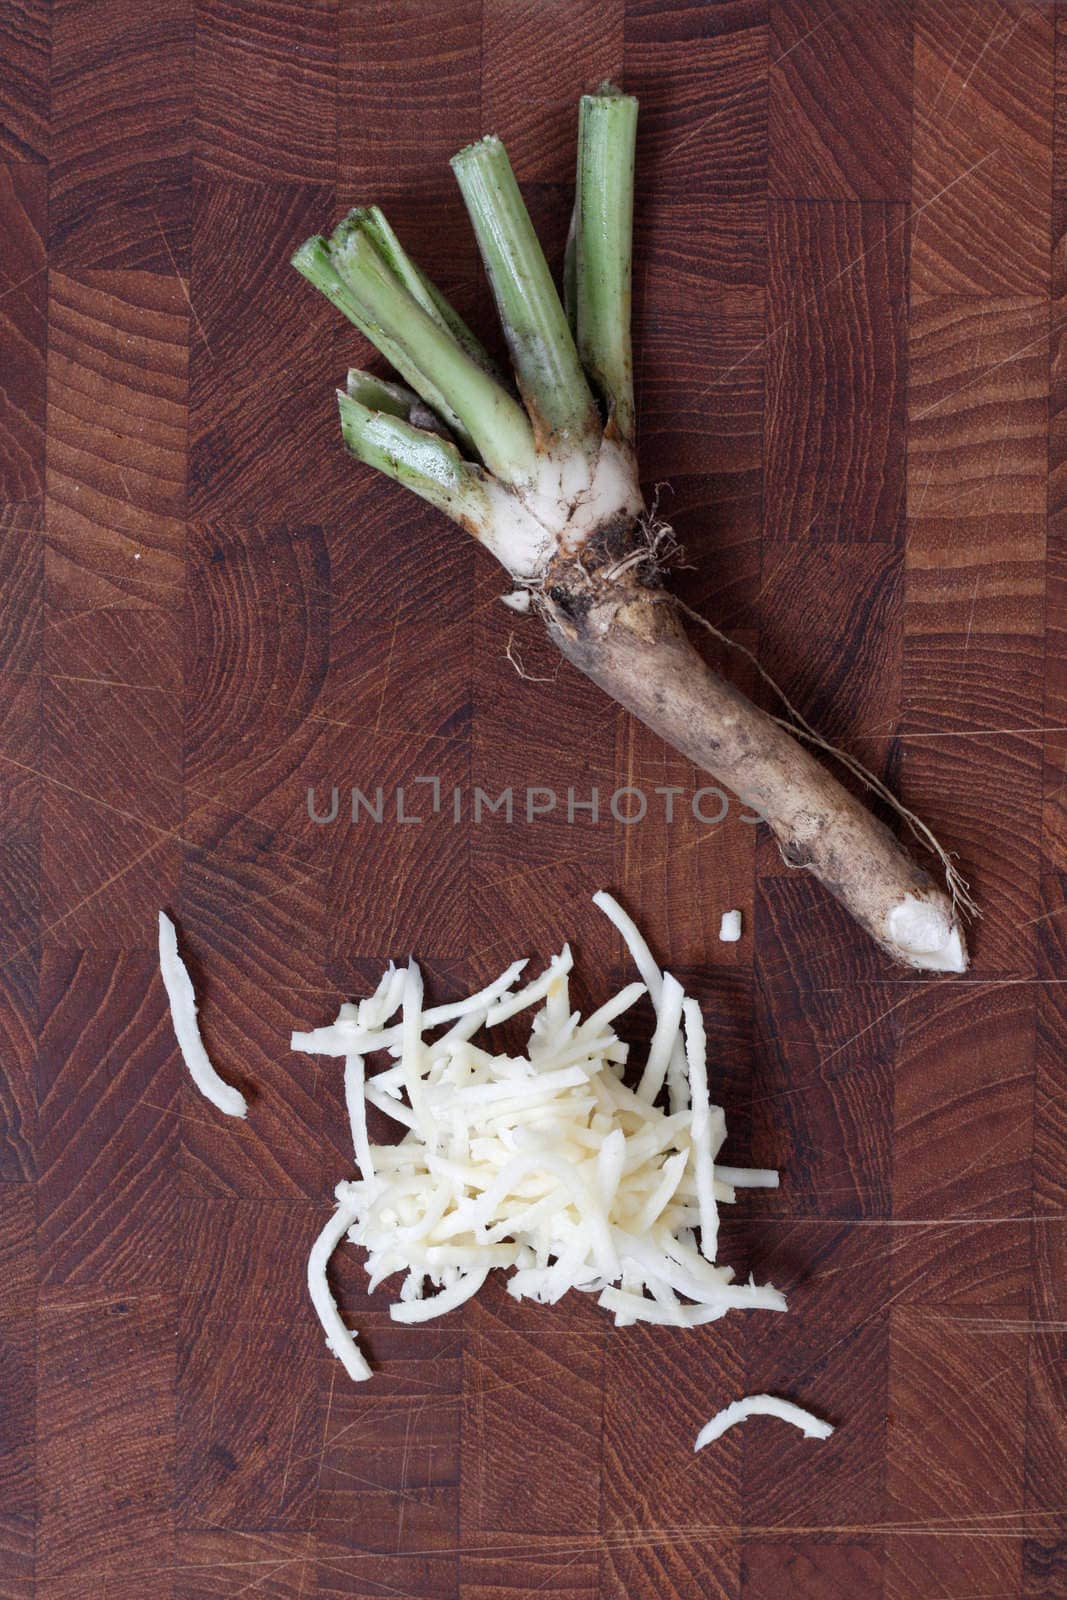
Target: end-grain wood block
537	59
978	388
713	248
844	674
343	1574
658	1498
836	364
1055	686
244	891
121	147
822	1085
1050	1086
24	86
971	1270
839	121
19	980
981	153
700	73
1044	1567
400	601
19	896
531	1423
256	619
21	616
266	89
963	1112
388	1460
985	1564
248	1431
974	617
408	94
110	813
954	1456
564	1573
700	271
700	383
830	1351
395	1436
105	1441
117	370
977	466
107	1122
809	1571
23	312
1046	1412
672	1562
397	869
718	521
18	1482
210	1565
259	447
21	604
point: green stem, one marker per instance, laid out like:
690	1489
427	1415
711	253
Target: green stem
607	128
423	462
373	221
570	272
378	394
483	410
314	262
543	352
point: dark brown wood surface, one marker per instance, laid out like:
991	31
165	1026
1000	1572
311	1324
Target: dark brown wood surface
851	301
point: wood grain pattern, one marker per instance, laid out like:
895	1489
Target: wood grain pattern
851	358
21	617
24	95
107	1091
562	47
120	77
835	391
23	328
981	152
105	1438
18	1379
266	89
839	117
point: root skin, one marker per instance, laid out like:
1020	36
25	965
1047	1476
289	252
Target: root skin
622	630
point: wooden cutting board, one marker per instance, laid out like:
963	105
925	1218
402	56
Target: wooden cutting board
849	299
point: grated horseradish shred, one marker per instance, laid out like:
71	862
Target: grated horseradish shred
179	987
762	1405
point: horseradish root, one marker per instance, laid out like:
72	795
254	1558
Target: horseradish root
544	474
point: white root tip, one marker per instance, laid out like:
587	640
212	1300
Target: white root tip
730	927
925	935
